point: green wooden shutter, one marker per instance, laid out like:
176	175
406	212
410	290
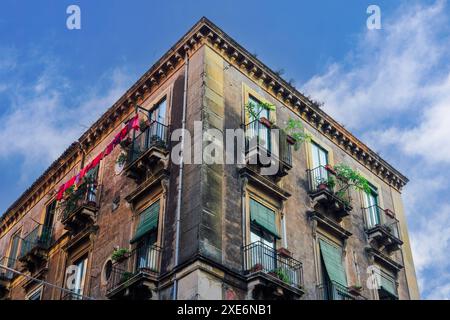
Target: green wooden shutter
332	257
148	221
263	217
388	284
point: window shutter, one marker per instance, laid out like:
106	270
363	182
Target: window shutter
148	221
388	284
263	217
332	257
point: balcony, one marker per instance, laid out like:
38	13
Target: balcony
333	291
260	147
382	228
329	192
272	274
34	247
136	275
79	209
5	275
147	150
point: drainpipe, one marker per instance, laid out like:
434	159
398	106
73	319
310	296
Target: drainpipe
180	177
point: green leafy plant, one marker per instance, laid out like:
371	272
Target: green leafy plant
294	128
351	177
281	274
121	159
254	110
119	254
126	276
342	179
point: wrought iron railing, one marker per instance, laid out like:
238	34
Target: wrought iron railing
376	216
85	194
40	237
259	257
143	259
333	291
259	135
156	135
323	178
10	263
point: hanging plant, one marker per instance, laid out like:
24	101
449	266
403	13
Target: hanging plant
121	159
342	179
293	129
125	143
119	254
144	124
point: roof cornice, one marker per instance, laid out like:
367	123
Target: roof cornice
300	104
204	32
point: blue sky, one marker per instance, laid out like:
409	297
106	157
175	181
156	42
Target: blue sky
391	87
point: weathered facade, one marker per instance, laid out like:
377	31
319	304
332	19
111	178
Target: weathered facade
209	231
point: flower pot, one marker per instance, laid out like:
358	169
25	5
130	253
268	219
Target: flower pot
323	186
284	252
265	122
144	124
125	142
257	267
330	169
290	140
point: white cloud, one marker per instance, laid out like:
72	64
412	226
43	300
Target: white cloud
394	89
51	114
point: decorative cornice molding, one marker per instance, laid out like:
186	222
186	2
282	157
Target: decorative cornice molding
204	32
299	103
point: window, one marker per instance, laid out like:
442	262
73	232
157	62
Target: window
50	214
387	286
255	128
373	215
145	237
48	221
334	278
80	277
13	251
147	222
319	156
158	112
263	234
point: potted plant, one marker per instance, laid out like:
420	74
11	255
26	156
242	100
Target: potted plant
125	142
119	254
284	252
330	169
144	124
290	140
280	274
126	276
257	267
121	159
265	122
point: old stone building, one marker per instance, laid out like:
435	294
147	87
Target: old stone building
139	226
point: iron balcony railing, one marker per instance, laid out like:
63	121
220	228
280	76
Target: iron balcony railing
260	136
323	178
156	135
259	257
39	238
144	259
73	296
333	291
376	216
84	195
10	263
